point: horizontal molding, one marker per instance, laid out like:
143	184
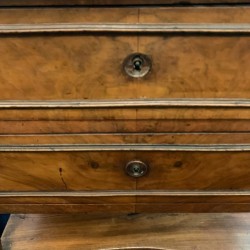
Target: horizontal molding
124	147
123	193
124	28
128	103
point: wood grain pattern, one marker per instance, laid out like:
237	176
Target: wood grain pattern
31	120
67	15
186	169
195	171
67	208
127	138
117	231
193	126
218	14
65	67
54	127
88	66
65	93
192	207
202	14
64	171
124	201
146	126
212	71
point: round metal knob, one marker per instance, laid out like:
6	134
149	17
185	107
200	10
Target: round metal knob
137	65
136	168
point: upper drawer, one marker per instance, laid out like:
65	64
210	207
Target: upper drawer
55	54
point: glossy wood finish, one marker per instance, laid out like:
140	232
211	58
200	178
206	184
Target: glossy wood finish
116	231
65	171
70	119
89	66
184	169
196	171
124	201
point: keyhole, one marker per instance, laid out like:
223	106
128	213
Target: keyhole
137	62
136	169
137	65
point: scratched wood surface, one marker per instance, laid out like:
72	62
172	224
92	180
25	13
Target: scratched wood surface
136	231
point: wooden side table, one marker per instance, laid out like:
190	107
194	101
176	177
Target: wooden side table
135	231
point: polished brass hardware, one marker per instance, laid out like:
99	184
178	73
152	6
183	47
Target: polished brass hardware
136	168
137	65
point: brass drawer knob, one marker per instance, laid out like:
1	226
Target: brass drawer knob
137	65
136	168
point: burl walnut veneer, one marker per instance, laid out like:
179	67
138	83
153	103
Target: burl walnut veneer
124	108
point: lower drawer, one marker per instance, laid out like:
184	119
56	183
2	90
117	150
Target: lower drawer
97	177
194	170
79	167
64	171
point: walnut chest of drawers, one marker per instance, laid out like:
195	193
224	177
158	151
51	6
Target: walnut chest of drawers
138	107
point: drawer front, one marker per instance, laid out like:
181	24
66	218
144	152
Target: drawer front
81	167
64	171
60	66
191	66
196	171
82	58
84	178
65	67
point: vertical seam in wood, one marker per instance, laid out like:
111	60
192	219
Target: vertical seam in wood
136	115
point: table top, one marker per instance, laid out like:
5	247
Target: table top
133	231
